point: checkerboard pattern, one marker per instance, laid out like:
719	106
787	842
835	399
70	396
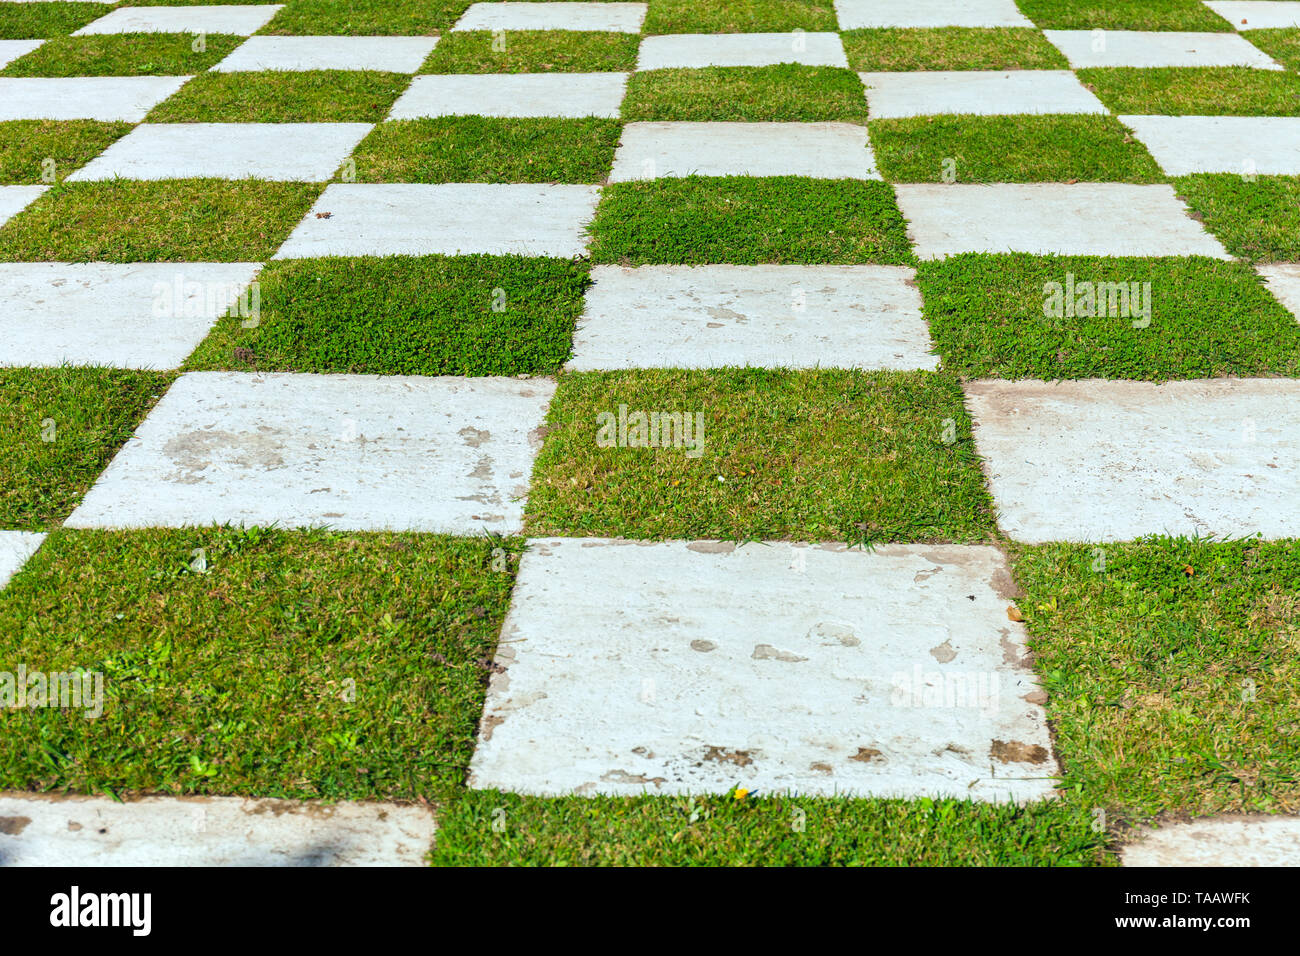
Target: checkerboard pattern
511	268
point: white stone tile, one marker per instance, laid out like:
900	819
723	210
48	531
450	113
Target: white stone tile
392	54
15	548
1115	460
310	152
109	99
1142	49
412	219
698	50
236	19
821	150
1283	280
1258	14
603	17
513	94
858	14
14	199
64	830
980	92
1252	145
1255	840
1084	219
698	666
11	50
142	315
353	452
770	316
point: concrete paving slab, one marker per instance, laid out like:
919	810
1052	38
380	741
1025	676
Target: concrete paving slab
978	92
1103	219
771	316
15	548
574	95
1254	840
14	199
1258	14
353	452
859	14
300	152
11	50
698	666
694	51
1111	460
1251	145
604	17
109	99
236	19
1283	280
142	315
392	54
821	150
413	219
1142	49
48	830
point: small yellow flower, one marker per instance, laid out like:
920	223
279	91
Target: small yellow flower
741	793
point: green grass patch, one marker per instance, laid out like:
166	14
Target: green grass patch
365	18
533	51
59	427
950	48
26	145
748	220
788	93
36	21
297	665
739	16
280	96
988	317
173	220
1186	15
827	455
1196	91
400	315
479	149
1256	220
124	54
1282	45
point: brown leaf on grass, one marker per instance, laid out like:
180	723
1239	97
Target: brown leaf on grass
1013	613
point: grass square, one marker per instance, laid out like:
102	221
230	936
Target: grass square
173	220
999	316
479	149
748	220
1010	149
1256	219
1282	45
403	315
1183	15
283	96
27	147
365	18
1196	91
124	54
59	428
298	664
739	16
890	50
533	51
38	21
860	457
787	93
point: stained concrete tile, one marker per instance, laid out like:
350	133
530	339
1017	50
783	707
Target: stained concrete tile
697	50
1283	280
142	315
572	95
981	92
236	19
769	316
1104	219
1112	461
821	150
47	830
1258	14
109	99
15	548
11	50
1142	49
1255	840
1258	145
412	219
857	14
392	54
604	17
353	452
310	152
14	199
699	666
